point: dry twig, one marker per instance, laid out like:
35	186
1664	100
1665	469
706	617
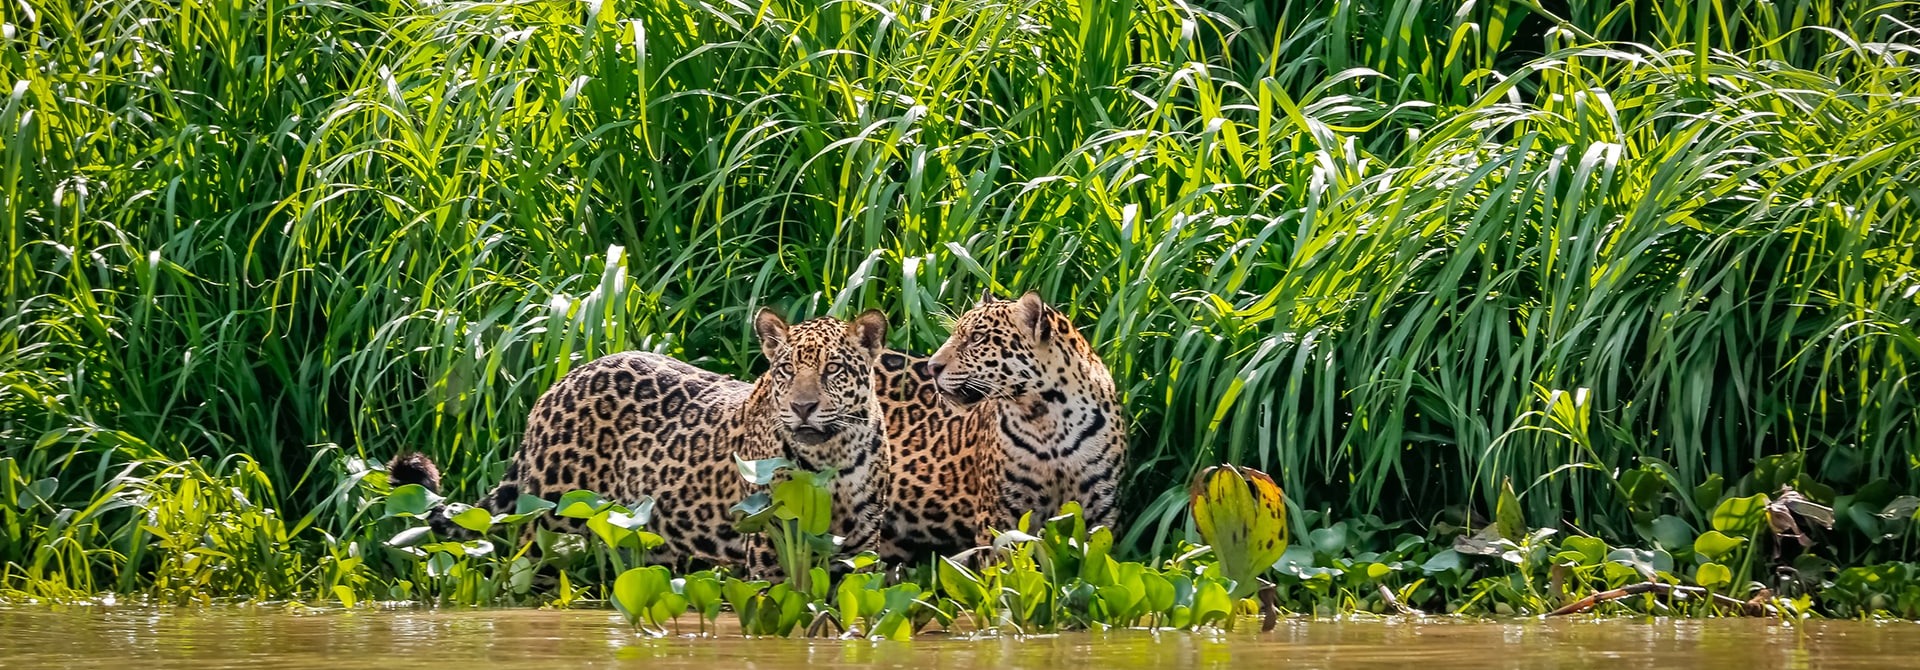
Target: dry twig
1748	608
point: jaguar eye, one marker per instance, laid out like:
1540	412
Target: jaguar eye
834	370
978	337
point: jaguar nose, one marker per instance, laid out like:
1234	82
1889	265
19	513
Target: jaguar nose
803	409
934	368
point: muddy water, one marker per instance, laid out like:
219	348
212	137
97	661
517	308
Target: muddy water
128	638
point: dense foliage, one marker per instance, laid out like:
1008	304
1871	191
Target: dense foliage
1395	253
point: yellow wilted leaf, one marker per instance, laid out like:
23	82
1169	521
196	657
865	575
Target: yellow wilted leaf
1243	516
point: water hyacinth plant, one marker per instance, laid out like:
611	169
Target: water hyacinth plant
1059	574
795	513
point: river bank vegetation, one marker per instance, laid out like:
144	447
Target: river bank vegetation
1627	272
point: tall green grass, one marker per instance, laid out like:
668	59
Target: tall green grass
1392	251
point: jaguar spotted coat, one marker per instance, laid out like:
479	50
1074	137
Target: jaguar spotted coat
635	424
1014	413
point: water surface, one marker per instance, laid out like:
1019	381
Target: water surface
124	638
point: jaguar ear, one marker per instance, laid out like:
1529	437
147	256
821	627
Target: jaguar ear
772	331
1034	317
986	296
870	328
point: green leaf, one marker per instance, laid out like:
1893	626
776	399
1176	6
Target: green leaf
894	626
581	504
1180	617
49	438
1211	604
511	520
520	575
1672	533
763	471
439	564
345	595
669	605
1903	508
1862	516
603	528
703	593
805	501
1096	566
1708	493
861	560
1447	560
531	505
1714	545
411	537
1643	485
1741	517
40	493
1592	550
638	515
619	518
1331	541
1712	575
527	507
960	583
752	514
1673	481
1029	589
638	589
1183	589
1876	493
411	501
902	596
470	548
1157	591
762	615
1620	573
1509	519
738	592
1120	602
475	519
1770	472
1378	571
1295	561
793	607
817	581
1070	523
564	593
1008	538
559	548
1131	577
849	598
1648	563
1813	489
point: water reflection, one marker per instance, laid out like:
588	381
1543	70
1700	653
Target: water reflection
256	638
